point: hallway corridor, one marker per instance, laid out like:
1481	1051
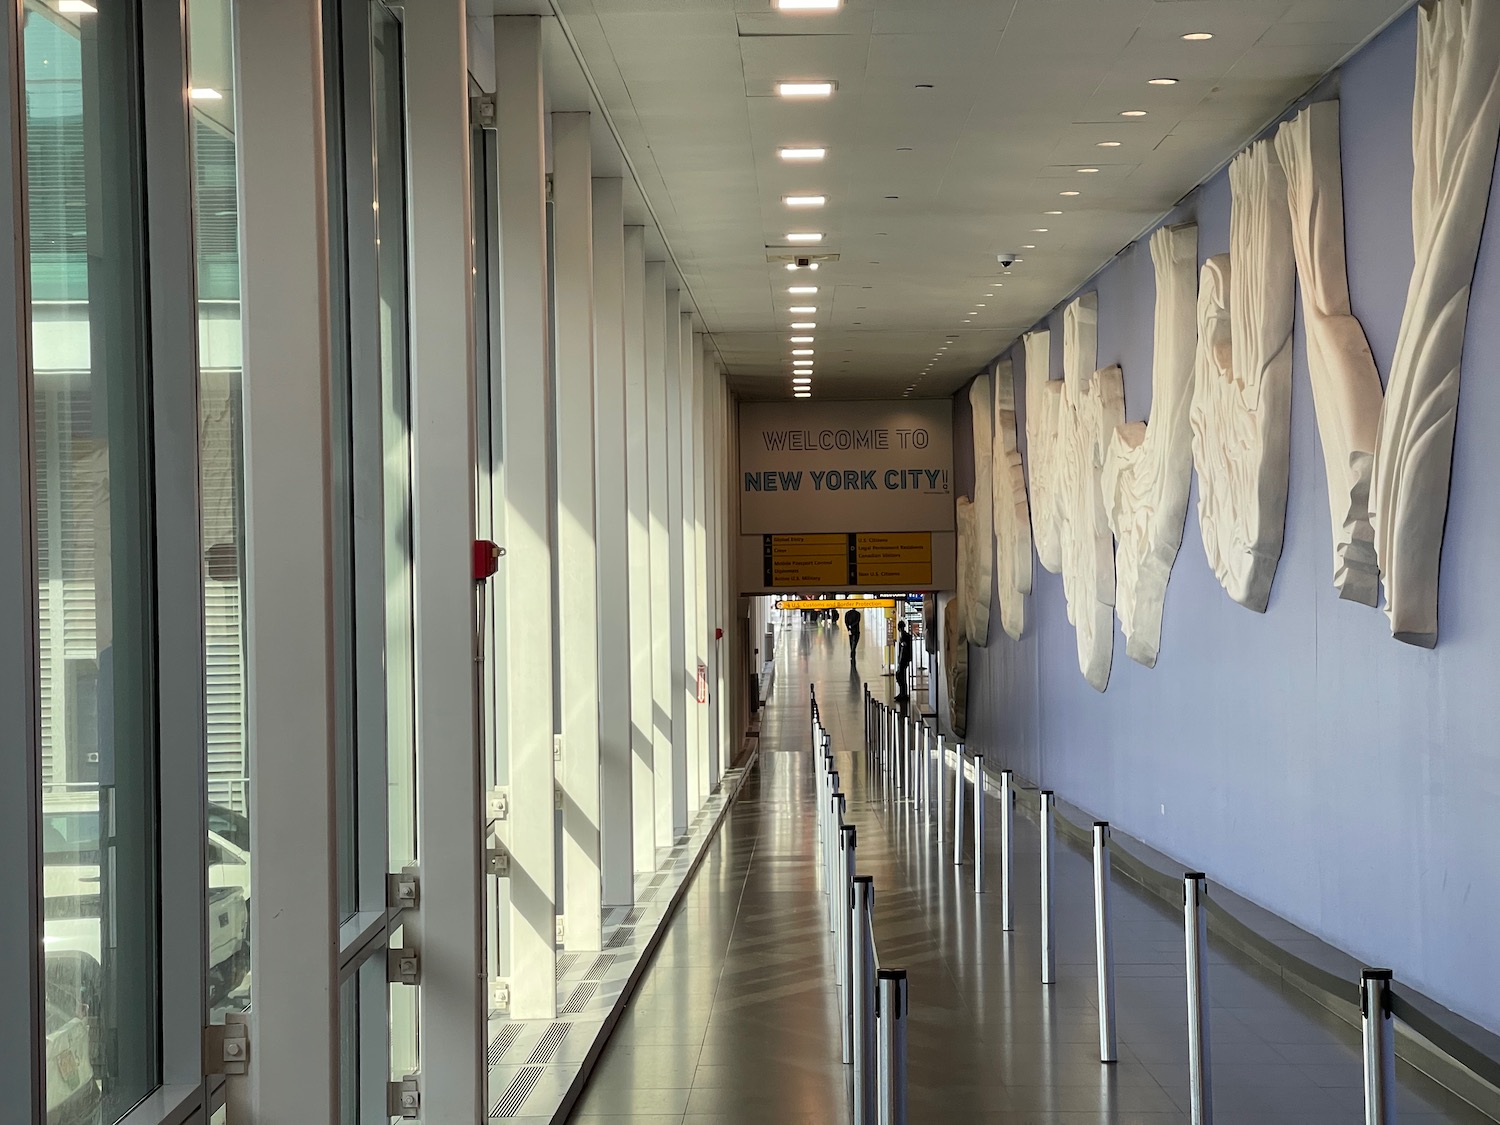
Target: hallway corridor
735	1020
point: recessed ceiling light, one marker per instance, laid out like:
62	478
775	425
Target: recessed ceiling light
1051	212
802	339
1070	193
979	306
802	351
197	93
804	236
1198	36
803	309
804	200
804	324
1162	82
802	363
802	394
1109	144
809	5
1029	246
1039	230
802	153
802	289
802	379
989	294
804	89
1087	171
1132	113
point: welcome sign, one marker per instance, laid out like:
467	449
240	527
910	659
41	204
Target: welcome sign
834	467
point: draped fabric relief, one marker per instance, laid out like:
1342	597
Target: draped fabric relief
976	606
1242	384
1455	120
966	520
1148	468
1043	397
956	666
1092	405
1345	384
1012	511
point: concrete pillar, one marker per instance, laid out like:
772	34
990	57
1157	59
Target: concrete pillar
520	379
676	594
657	439
573	528
612	527
637	483
447	929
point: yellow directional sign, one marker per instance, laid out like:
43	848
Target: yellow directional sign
842	603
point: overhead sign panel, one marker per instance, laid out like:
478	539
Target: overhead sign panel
882	560
846	466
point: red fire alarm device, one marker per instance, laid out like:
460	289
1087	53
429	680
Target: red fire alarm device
718	634
486	559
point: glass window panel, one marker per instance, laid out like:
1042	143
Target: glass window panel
222	462
92	481
390	180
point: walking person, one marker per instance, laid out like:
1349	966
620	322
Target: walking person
903	663
852	620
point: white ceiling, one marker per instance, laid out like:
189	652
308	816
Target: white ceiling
1020	93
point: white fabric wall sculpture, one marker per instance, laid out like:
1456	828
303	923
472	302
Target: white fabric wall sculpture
1148	468
976	608
966	519
1043	399
1012	512
1242	384
1455	119
1092	406
1345	385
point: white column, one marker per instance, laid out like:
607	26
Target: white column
612	522
692	613
661	548
643	783
676	597
290	577
448	927
577	572
715	620
520	379
707	774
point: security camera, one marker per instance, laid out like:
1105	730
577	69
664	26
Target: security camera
803	263
1006	259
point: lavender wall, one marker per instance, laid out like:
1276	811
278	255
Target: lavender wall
1301	757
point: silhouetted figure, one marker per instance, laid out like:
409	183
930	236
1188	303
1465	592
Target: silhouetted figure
852	623
903	662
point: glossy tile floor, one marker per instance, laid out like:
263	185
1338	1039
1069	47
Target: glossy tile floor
736	1019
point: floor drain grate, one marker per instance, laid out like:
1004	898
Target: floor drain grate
551	1041
503	1043
581	996
515	1096
602	964
564	963
621	938
635	916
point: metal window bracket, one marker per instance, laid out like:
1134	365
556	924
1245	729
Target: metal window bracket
403	1099
482	110
557	747
562	930
500	995
403	966
403	889
499	803
497	861
557	795
226	1046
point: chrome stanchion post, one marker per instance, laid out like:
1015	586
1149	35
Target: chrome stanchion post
862	1007
831	856
890	1013
1007	840
1049	837
1380	1046
979	824
1195	924
1104	945
942	792
958	804
842	936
